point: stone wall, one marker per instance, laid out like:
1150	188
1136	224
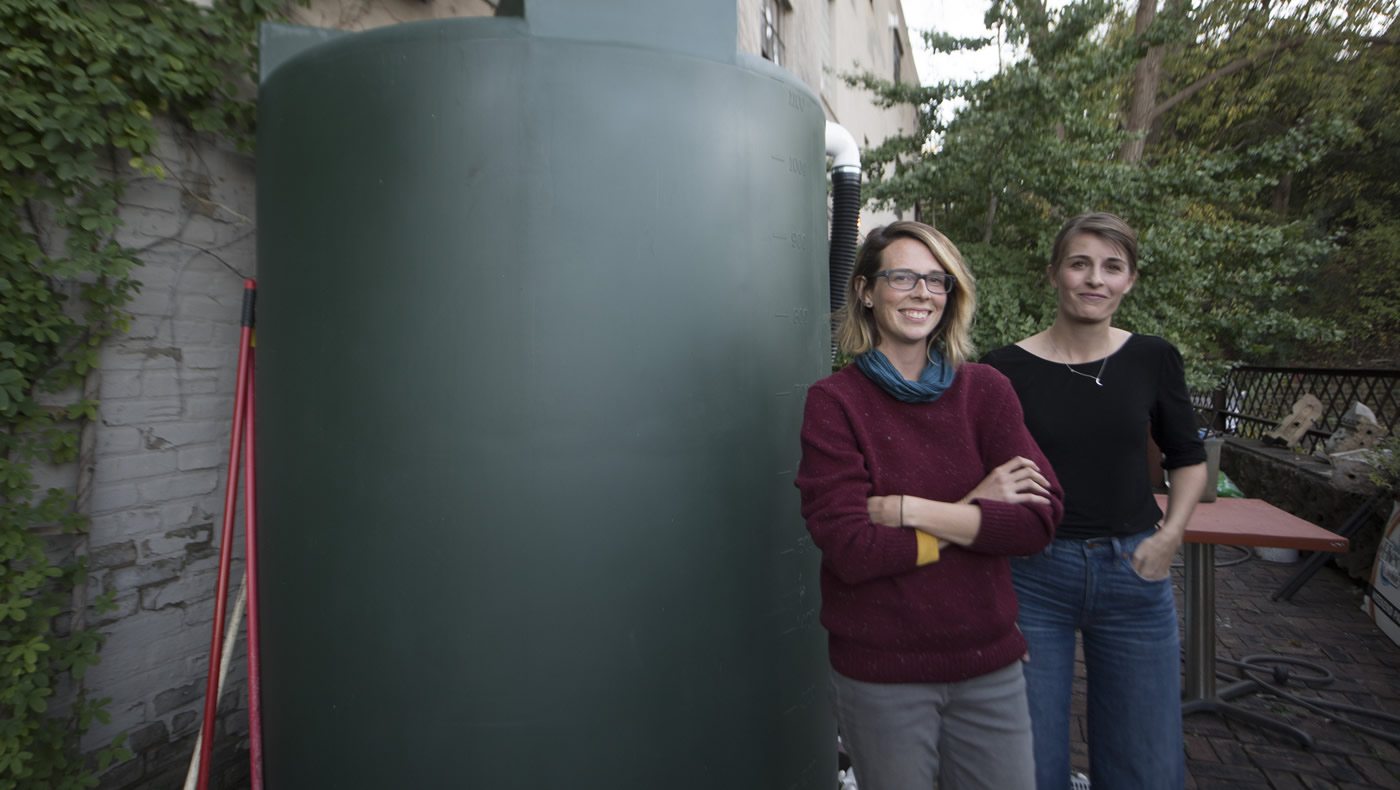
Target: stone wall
1301	484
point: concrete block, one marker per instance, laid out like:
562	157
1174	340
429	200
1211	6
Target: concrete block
47	476
136	466
177	751
198	614
112	555
187	541
178	486
202	456
143	739
209	407
61	398
188	643
194	333
150	194
207	385
113	497
115	439
172	776
120	384
123	775
153	302
205	275
161	383
125	714
1287	433
139	411
152	330
187	513
132	522
207	307
147	224
185	723
133	577
178	697
127	604
207	231
211	357
188	589
137	354
188	432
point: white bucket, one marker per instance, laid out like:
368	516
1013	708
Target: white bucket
1276	555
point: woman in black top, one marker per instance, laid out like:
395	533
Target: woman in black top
1091	394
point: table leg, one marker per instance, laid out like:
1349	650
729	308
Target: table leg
1199	694
1200	621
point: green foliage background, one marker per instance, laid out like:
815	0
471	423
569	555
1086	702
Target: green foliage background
1225	274
81	85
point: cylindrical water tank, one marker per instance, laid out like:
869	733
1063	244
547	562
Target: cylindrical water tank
536	319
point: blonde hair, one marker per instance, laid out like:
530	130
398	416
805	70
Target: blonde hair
856	331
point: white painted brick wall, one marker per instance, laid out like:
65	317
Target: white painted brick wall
162	441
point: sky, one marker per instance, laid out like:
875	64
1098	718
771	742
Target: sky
960	18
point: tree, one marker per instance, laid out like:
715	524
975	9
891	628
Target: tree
1328	67
1091	120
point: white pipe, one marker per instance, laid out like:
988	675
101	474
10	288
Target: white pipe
841	145
230	636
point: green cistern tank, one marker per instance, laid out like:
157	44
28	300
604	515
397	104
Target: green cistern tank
540	298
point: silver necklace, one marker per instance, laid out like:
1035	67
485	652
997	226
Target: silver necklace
1097	377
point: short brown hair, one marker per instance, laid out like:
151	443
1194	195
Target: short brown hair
856	331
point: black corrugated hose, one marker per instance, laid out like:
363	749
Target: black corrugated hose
845	219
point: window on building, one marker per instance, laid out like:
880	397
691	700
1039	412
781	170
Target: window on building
773	13
898	53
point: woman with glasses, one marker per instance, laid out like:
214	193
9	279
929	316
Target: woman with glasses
918	481
1092	393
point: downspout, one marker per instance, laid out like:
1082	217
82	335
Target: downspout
845	211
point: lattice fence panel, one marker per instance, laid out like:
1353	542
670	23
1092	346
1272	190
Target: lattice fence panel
1254	399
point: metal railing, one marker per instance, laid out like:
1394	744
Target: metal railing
1254	399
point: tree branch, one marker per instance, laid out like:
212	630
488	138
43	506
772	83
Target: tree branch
1220	73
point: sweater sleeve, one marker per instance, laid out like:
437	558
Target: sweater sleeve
1012	529
835	484
1173	416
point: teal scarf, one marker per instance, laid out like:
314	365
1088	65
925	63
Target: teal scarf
937	377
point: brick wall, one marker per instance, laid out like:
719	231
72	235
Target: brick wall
166	388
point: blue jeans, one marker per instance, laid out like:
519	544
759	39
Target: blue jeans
1132	659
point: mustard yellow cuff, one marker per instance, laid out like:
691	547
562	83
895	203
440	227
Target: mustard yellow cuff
928	548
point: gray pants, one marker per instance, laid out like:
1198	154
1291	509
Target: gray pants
972	734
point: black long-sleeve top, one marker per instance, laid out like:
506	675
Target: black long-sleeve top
1096	436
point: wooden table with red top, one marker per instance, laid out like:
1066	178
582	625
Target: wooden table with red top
1235	522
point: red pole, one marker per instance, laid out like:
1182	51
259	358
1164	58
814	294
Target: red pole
250	564
240	400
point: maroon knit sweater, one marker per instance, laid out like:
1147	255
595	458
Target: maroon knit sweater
888	620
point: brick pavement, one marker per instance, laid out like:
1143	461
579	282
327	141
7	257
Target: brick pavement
1323	624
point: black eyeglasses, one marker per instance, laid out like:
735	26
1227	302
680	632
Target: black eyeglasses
905	280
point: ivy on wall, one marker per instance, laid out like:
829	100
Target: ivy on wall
81	83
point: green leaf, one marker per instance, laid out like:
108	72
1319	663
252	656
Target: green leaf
79	79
